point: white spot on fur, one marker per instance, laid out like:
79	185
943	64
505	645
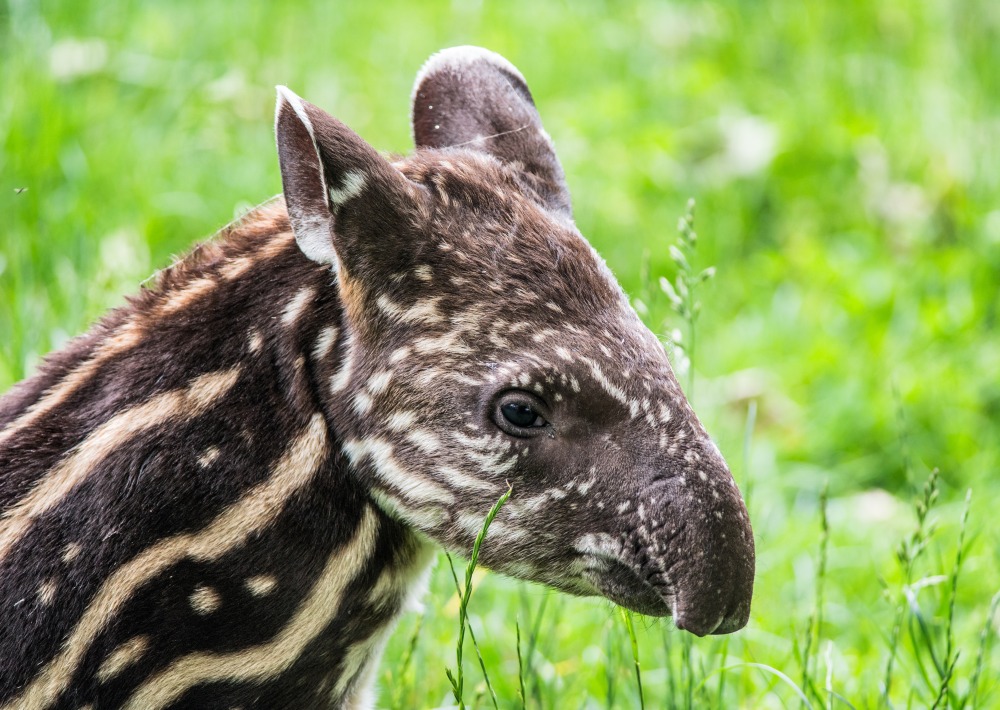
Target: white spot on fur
340	380
47	591
294	308
362	403
261	585
256	341
401	421
209	456
424	440
325	341
424	311
353	183
423	272
204	600
379	381
71	552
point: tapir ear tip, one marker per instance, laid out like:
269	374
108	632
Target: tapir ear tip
456	58
295	102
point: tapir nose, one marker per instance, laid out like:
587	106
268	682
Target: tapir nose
713	557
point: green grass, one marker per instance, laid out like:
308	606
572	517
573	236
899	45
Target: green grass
845	158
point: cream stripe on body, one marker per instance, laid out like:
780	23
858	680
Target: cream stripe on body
130	333
125	338
48	492
266	661
254	512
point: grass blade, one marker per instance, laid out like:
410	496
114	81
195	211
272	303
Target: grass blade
458	679
520	665
627	618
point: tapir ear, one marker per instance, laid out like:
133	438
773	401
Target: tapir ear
474	98
344	199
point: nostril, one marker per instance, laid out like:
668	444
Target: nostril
735	620
698	627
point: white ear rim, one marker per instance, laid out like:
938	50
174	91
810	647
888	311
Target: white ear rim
458	57
295	101
313	235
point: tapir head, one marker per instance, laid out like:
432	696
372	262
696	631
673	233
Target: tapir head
486	344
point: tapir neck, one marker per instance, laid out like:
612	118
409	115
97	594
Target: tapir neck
179	526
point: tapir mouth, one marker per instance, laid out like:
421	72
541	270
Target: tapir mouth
623	585
626	586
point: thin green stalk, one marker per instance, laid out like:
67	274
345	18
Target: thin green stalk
816	617
627	618
688	669
909	550
397	696
950	660
682	291
981	656
520	666
533	636
472	635
458	679
610	668
722	676
671	683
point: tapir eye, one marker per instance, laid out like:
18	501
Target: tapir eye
518	413
522	415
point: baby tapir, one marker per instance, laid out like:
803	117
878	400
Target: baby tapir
227	491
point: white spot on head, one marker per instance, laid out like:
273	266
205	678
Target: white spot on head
423	272
399	354
71	552
401	421
414	487
362	403
353	183
424	440
379	381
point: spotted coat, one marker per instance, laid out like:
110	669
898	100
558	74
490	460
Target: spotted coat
225	493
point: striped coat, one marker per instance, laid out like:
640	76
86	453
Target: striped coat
225	493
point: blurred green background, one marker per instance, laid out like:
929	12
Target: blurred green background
845	158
